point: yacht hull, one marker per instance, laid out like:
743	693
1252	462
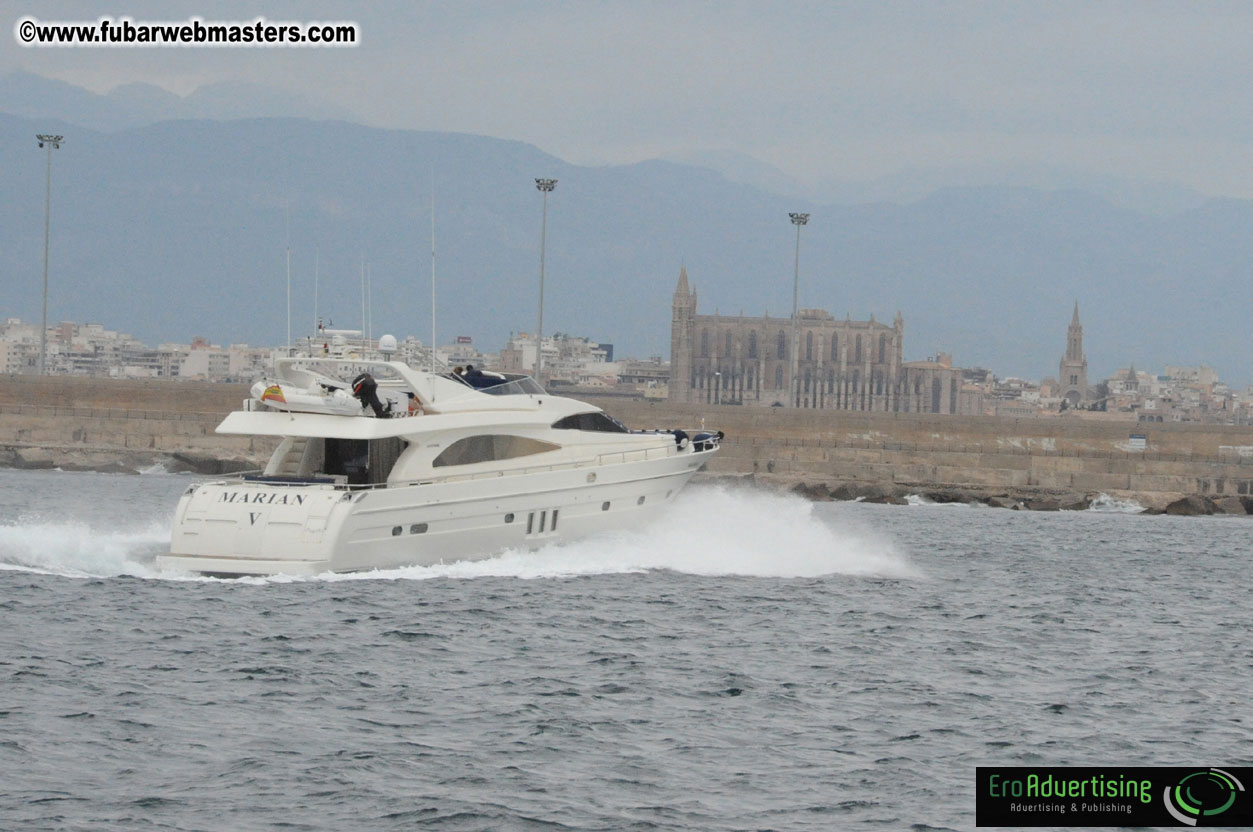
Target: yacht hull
266	528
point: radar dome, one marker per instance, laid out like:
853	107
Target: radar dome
387	344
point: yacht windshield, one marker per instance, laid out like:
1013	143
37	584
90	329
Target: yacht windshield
515	386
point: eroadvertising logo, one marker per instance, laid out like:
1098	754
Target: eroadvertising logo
1113	796
1203	796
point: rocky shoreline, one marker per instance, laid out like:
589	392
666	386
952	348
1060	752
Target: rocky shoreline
119	461
1182	505
125	461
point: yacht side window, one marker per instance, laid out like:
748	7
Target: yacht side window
590	421
489	448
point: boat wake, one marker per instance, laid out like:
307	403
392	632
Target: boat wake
76	550
707	531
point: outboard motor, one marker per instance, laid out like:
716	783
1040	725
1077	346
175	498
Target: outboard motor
365	389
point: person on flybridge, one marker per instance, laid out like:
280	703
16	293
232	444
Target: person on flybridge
478	379
365	389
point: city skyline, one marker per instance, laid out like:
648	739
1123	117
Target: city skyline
470	342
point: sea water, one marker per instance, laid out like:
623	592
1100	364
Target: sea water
750	661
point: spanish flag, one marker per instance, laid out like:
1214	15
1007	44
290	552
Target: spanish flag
273	393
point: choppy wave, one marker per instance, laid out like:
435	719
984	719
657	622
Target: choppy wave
1109	504
708	531
645	701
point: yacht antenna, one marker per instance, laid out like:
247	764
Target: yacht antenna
316	258
369	305
432	269
363	295
288	213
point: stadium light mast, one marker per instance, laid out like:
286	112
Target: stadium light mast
51	143
797	220
545	187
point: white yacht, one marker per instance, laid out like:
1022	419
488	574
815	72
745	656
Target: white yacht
399	466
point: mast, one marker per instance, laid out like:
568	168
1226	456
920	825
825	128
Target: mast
316	258
432	270
289	348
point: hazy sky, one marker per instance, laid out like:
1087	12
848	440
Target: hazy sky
1147	91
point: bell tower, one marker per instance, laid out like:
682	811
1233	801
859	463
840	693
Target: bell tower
681	335
1072	373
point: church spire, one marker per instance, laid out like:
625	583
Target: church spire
1074	338
682	289
1072	372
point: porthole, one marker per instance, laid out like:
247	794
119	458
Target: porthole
554	526
418	528
640	501
604	506
509	517
396	531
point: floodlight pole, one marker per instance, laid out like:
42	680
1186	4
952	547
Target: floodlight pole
52	143
797	220
545	187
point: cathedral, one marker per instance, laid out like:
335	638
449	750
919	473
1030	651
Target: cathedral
841	365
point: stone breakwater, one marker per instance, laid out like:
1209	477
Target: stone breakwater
1190	506
123	426
1039	464
127	425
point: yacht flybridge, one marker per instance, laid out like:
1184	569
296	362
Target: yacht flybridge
381	465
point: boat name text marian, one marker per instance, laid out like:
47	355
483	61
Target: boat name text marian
268	499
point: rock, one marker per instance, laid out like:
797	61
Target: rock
98	467
1191	506
1075	502
1155	502
949	497
869	492
817	492
845	492
888	500
1248	504
1230	505
205	464
1042	504
1000	501
33	459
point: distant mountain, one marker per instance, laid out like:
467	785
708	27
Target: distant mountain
916	183
137	105
744	170
177	229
